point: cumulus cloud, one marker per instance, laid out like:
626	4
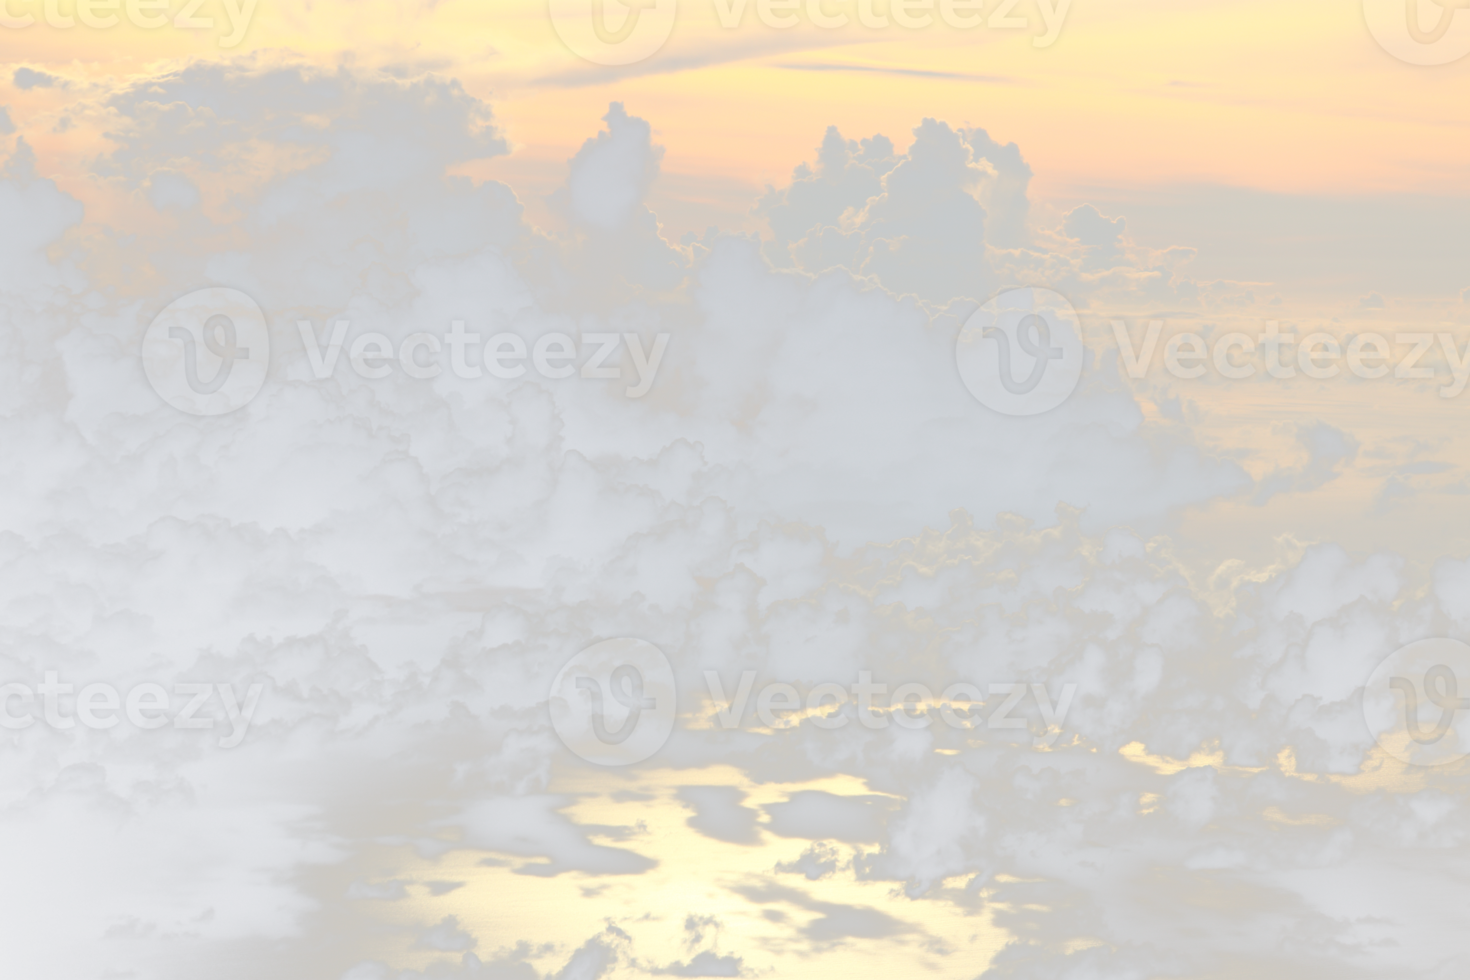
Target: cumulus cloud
805	491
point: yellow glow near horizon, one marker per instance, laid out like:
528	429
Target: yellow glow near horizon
1126	96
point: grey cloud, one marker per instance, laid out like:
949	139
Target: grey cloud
360	888
817	815
718	813
941	830
598	955
807	492
1088	226
530	826
28	78
1395	491
1329	451
1191	795
1426	819
612	173
34	213
172	188
816	862
522	763
446	937
1029	961
1451	582
705	964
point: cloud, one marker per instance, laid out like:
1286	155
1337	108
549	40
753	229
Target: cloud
530	826
718	813
522	763
28	78
807	491
1088	226
1028	961
1329	451
172	188
360	888
816	862
612	173
446	937
706	964
1191	795
816	815
1395	491
38	214
941	830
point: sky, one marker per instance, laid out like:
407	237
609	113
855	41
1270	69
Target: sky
485	501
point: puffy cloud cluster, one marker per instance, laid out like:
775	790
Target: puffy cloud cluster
806	491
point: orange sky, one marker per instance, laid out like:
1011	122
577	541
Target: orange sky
1129	96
